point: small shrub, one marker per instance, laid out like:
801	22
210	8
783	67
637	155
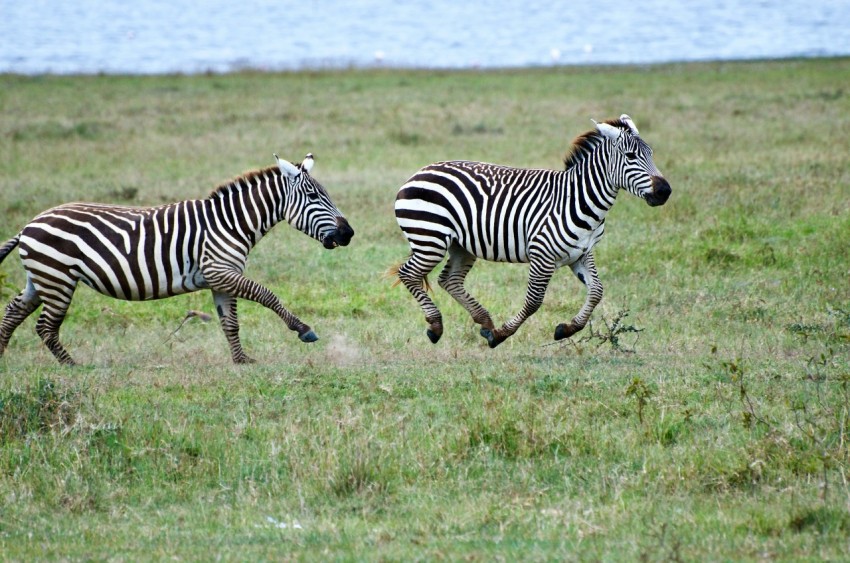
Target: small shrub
613	332
641	393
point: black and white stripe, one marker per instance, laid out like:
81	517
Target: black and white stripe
144	253
547	218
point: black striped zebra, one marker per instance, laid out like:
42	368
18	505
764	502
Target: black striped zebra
547	218
142	253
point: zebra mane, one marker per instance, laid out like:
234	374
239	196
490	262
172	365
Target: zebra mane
246	179
585	144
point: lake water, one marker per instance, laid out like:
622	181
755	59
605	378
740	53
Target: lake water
164	36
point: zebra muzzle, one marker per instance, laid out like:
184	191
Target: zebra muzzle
340	236
660	191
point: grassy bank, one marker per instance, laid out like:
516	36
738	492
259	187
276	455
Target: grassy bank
704	416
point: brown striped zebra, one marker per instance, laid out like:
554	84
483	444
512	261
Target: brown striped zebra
144	253
546	218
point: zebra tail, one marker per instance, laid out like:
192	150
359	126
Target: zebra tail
392	272
8	246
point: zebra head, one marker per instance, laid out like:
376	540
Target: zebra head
308	207
630	164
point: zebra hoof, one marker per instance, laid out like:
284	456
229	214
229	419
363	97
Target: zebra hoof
564	331
308	336
433	336
492	339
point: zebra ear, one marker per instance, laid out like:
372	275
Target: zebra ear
287	168
628	121
308	162
608	131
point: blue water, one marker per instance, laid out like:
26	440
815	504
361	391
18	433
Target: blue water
164	36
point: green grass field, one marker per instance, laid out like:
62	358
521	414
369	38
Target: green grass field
705	415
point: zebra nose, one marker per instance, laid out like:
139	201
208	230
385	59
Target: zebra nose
660	191
340	236
344	232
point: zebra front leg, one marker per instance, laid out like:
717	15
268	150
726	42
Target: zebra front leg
225	306
538	280
585	271
234	284
412	274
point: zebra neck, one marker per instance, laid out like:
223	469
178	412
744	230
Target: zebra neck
588	186
248	208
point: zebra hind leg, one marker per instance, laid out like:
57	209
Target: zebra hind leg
412	274
47	327
16	312
225	305
451	279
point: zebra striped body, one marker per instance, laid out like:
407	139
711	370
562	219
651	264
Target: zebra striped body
546	218
129	253
497	212
138	254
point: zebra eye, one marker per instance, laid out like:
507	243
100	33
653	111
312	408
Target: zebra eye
313	194
631	155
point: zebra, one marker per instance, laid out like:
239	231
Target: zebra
546	218
145	253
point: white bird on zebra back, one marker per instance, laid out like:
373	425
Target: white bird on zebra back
546	218
144	253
